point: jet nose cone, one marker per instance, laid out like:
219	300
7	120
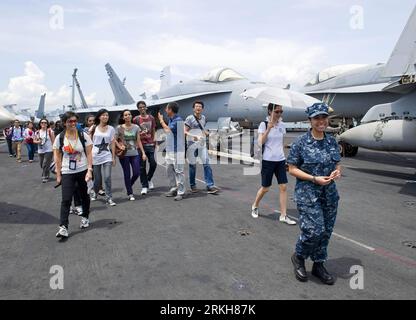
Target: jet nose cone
5	118
353	136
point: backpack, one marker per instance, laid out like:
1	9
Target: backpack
263	147
81	138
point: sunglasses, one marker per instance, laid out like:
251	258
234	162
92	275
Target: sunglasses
278	112
43	122
72	121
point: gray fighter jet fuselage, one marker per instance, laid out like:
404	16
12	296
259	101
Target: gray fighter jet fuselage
382	97
354	92
220	90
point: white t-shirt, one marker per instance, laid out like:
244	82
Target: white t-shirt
273	149
45	141
79	156
101	150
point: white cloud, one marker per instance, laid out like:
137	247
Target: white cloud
25	90
271	60
150	86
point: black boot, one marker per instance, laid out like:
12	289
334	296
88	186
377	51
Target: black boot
319	271
300	271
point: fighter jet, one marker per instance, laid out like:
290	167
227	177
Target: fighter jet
25	115
220	90
6	117
381	97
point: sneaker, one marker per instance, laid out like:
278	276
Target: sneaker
30	161
212	190
131	197
254	212
171	194
151	185
144	191
44	180
93	196
19	160
85	223
178	197
101	193
287	220
62	232
111	202
78	211
194	189
10	155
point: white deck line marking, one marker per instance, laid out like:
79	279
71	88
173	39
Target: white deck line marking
195	179
334	233
344	238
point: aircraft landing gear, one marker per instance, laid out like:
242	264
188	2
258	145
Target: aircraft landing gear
347	150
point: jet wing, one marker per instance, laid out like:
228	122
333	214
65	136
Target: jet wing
155	102
163	101
355	89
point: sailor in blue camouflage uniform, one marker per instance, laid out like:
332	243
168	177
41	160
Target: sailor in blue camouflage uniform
314	161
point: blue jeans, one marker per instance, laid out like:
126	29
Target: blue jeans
30	150
103	172
129	180
201	153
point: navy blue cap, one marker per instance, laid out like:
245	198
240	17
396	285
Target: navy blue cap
317	109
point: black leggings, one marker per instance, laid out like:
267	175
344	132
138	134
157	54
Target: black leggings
70	183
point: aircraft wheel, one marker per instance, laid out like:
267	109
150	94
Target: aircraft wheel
348	150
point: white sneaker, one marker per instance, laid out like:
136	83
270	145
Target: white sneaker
85	223
62	232
287	220
144	191
254	212
131	197
93	196
111	202
78	211
151	185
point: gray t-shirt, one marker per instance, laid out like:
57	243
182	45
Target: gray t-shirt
45	145
130	137
192	124
101	150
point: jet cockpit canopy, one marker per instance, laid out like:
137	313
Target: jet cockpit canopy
333	72
222	75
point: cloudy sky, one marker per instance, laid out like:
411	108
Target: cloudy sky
277	41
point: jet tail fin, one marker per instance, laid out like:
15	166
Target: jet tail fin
121	95
165	78
40	113
403	58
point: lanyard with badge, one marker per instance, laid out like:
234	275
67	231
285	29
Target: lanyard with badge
70	149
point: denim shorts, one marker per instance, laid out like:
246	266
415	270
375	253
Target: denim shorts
270	168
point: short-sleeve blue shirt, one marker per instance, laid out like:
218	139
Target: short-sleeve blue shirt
317	158
172	139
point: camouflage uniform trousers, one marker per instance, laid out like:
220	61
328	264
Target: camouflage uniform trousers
316	221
